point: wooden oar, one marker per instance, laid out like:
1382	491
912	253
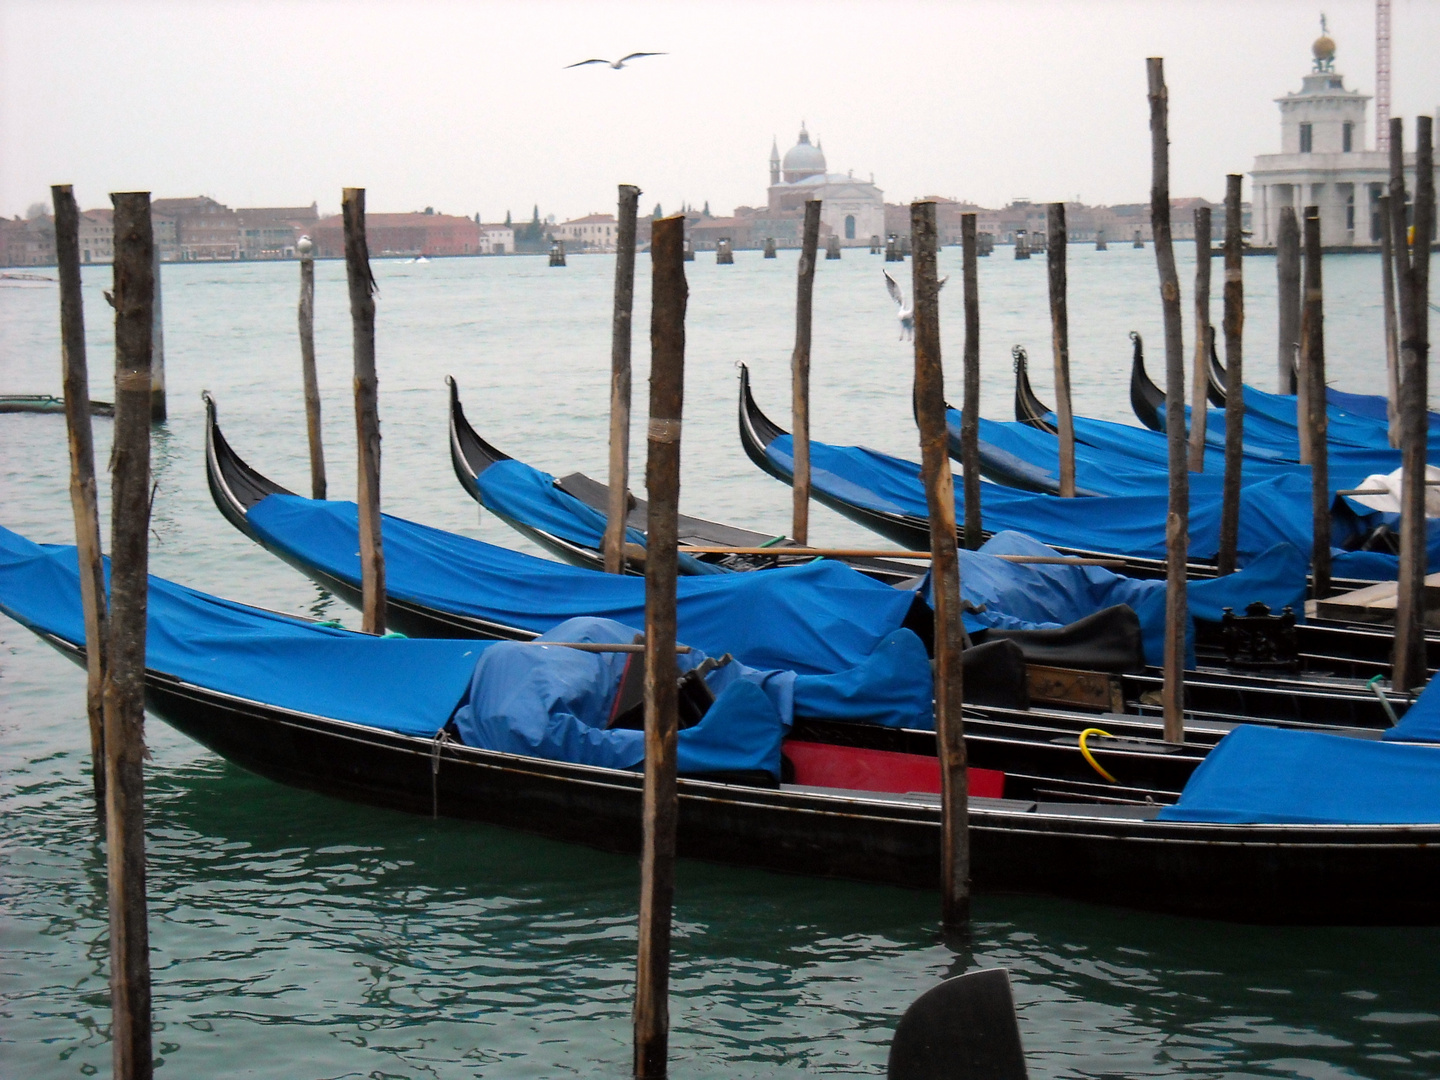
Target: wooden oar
868	553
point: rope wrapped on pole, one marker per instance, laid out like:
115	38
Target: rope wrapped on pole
945	573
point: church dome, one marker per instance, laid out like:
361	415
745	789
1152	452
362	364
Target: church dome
803	159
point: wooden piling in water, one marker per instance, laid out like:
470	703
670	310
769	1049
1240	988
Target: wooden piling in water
724	254
1412	279
1022	244
1392	340
367	410
124	694
1287	281
76	379
770	247
1311	402
1139	242
832	247
970	409
874	244
689	251
1177	520
618	504
158	410
1200	375
662	483
1100	240
557	252
1234	325
1056	242
945	571
800	373
305	249
892	249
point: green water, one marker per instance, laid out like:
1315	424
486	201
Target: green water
299	937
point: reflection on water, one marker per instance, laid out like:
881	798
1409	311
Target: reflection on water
297	936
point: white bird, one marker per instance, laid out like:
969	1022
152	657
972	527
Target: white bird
616	64
906	315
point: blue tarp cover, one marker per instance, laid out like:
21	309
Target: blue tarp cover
1371	406
1421	722
819	618
392	683
1264	775
1019	597
1273	511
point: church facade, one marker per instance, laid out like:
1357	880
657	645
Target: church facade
1324	161
852	209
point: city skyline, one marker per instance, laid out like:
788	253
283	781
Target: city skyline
470	109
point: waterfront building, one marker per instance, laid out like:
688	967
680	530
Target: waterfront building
852	209
28	241
205	230
593	232
270	232
422	233
1324	161
497	239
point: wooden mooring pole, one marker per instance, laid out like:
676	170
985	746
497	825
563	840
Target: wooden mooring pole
945	571
1311	403
157	344
134	294
76	378
800	373
1200	375
970	408
1234	327
618	506
668	292
1056	242
1177	521
1412	274
1287	282
367	410
1392	340
305	249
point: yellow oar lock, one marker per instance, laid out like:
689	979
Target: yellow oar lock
1085	750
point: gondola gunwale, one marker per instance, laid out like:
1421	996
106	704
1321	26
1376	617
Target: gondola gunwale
1250	873
1029	409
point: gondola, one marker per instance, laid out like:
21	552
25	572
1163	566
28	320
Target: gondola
1122	854
47	403
1057	667
586	501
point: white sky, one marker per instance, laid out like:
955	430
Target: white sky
466	107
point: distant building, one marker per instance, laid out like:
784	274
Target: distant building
426	233
852	209
497	239
1324	161
270	232
205	230
593	232
97	236
28	242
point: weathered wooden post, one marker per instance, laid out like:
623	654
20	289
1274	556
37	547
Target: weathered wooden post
618	507
832	247
305	248
945	571
724	255
769	247
1022	244
970	409
1412	273
1200	376
892	248
1392	340
134	294
1139	241
367	410
1177	521
1234	326
76	378
668	292
1311	405
689	250
557	252
1060	344
1287	275
157	345
874	244
1100	240
800	373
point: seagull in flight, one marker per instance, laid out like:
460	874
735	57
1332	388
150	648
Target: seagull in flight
906	315
616	64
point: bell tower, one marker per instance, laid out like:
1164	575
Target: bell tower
774	161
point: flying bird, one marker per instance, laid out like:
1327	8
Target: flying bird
906	315
616	64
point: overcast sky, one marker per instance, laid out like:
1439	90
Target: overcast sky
466	107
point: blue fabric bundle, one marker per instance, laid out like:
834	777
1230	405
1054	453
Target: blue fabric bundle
1264	775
